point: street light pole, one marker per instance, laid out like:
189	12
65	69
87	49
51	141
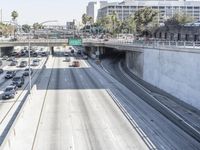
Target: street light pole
29	62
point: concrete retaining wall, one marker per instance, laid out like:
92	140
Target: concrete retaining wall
178	73
135	61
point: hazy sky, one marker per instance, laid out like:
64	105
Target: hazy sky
31	11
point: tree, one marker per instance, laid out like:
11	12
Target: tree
14	15
26	28
84	19
128	25
144	18
114	21
179	19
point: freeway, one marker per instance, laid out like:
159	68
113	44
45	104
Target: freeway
72	111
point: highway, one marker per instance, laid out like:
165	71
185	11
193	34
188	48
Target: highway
72	108
74	112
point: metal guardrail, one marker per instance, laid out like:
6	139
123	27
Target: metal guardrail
147	44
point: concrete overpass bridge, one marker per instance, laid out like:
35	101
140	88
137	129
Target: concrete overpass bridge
169	65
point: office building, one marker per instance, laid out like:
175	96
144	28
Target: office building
166	8
93	7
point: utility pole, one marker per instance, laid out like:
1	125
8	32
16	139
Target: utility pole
1	15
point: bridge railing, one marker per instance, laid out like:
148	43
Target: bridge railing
147	43
35	41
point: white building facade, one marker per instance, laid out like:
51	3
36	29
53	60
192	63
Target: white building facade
166	8
93	7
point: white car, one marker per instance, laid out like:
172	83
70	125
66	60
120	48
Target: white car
35	63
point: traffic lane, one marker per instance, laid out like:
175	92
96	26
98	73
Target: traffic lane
163	133
83	119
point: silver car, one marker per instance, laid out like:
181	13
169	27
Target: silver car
9	92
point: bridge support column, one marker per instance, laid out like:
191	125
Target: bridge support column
51	50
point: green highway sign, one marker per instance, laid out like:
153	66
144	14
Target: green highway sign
75	41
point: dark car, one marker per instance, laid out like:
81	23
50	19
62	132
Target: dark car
35	54
1	71
9	92
43	54
18	81
10	74
26	71
23	64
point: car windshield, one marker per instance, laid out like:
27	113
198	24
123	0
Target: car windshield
16	78
8	89
9	72
26	69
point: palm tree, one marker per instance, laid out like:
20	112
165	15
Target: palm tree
14	15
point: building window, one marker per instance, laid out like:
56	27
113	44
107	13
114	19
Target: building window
165	35
172	36
196	37
179	36
187	37
160	35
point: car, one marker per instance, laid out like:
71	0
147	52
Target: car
79	52
1	71
10	74
37	60
34	54
1	62
66	54
75	63
23	63
18	81
4	57
13	63
26	72
9	92
43	54
35	63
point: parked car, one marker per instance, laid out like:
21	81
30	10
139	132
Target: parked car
1	71
66	54
4	57
26	71
1	62
10	74
23	64
34	54
43	54
18	81
75	63
35	63
9	92
13	63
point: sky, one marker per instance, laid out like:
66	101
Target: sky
31	11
